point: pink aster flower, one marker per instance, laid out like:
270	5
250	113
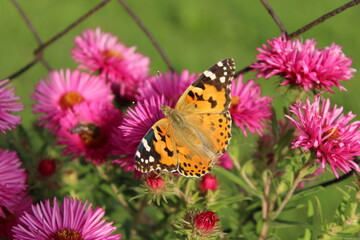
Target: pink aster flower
70	220
12	219
8	105
64	89
137	121
169	84
304	65
226	161
87	130
12	182
248	109
327	133
102	52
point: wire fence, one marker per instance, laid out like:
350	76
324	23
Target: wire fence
43	45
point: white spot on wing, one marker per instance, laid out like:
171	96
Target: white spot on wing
151	159
138	154
209	74
222	79
146	161
220	64
146	145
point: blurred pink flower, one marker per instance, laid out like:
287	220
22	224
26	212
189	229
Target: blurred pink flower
137	121
303	65
170	84
225	161
248	109
102	52
208	182
62	90
327	133
8	105
70	220
87	130
12	219
12	182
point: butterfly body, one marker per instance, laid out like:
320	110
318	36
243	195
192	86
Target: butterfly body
194	134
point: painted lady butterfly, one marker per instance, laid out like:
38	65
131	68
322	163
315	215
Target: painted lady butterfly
193	135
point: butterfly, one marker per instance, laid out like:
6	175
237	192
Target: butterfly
194	134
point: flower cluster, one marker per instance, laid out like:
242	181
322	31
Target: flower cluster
327	133
13	191
8	105
302	64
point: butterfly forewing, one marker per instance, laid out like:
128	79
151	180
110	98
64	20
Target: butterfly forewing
156	149
210	93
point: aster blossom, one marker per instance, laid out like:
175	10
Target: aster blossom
327	133
170	84
303	64
102	52
12	218
12	182
64	89
248	109
136	122
70	220
8	105
87	131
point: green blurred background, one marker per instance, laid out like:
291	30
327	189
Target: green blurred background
193	34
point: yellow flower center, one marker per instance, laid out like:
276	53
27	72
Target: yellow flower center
234	101
90	134
333	134
67	234
70	99
109	53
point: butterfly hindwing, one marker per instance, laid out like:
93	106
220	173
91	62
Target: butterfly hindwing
156	149
210	93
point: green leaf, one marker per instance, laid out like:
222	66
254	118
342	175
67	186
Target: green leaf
232	177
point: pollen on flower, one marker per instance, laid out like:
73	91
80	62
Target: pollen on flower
69	99
109	53
234	101
332	134
67	234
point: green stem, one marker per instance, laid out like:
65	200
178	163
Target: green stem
290	193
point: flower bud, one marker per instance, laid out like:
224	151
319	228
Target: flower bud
47	167
205	222
208	182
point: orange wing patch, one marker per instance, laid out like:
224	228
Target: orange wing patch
192	164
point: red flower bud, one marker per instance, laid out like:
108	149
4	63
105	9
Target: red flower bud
205	221
47	167
155	182
208	182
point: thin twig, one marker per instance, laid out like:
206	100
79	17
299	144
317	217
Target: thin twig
323	18
71	26
23	69
148	34
265	208
32	29
274	16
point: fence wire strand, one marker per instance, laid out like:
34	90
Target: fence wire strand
42	46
